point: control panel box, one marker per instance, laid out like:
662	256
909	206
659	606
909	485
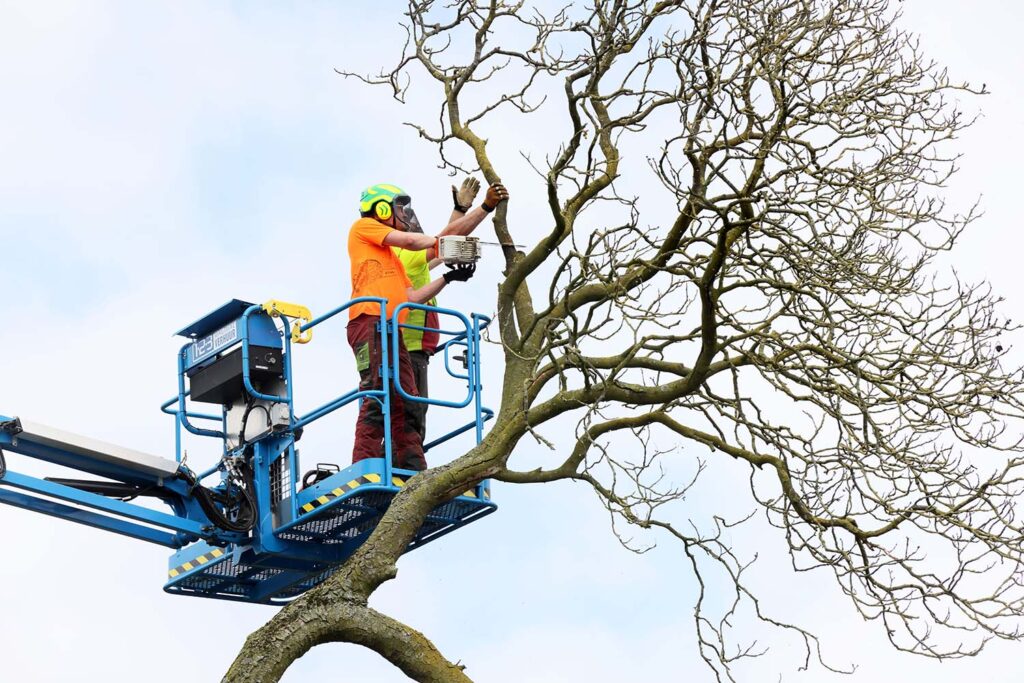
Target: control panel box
221	381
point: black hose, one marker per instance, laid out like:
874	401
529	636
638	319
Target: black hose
248	488
115	489
244	523
245	421
209	501
242	441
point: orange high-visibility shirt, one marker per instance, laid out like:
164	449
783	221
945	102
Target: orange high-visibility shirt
376	270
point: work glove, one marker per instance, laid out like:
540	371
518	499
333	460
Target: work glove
496	193
464	196
460	272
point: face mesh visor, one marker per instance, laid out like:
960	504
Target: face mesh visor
405	215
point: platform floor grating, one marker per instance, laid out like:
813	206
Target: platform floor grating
345	521
224	578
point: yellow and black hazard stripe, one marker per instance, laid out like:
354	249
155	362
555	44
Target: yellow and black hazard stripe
340	491
203	559
471	493
396	480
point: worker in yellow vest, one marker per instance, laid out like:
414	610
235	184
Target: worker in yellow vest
464	219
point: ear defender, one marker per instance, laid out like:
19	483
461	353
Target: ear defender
382	210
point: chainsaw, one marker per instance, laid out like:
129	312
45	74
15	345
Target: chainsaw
455	249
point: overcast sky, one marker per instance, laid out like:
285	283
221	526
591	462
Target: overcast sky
157	159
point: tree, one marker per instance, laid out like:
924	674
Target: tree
791	314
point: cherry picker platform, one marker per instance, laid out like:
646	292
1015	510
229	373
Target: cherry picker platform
248	528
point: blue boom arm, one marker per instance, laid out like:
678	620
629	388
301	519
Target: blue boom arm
185	523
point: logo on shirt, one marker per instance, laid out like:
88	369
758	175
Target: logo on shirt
370	271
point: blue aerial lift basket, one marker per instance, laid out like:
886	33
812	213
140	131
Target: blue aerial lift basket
247	528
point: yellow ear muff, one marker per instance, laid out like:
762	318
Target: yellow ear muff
383	210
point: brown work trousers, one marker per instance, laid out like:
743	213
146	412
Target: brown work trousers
406	416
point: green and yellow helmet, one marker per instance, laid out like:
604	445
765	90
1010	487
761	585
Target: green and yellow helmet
378	200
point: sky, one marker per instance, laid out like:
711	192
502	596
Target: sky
158	159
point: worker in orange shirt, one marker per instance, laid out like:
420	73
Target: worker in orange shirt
387	220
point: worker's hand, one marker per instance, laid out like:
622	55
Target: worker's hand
496	194
464	197
460	272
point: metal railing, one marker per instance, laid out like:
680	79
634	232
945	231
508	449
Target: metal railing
466	338
469	339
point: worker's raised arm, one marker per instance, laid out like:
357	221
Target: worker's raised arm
496	194
410	240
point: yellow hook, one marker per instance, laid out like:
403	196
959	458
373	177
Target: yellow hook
276	309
